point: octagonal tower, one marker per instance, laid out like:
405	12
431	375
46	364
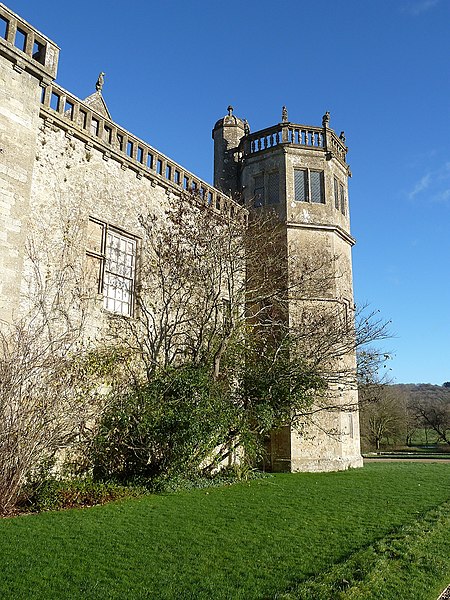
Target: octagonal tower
300	171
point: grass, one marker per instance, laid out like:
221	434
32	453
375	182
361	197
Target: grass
272	538
411	562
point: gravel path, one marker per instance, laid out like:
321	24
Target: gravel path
421	460
445	594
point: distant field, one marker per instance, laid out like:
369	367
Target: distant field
426	437
308	536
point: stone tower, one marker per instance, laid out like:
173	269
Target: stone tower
301	172
227	134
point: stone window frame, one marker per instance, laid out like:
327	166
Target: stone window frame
116	254
308	187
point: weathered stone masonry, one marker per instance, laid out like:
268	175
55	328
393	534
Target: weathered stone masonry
301	172
64	160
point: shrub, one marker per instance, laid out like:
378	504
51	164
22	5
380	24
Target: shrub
54	494
169	426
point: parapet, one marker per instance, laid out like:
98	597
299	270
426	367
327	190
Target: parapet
28	49
306	137
79	119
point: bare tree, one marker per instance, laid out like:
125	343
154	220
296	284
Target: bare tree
46	400
434	414
382	416
218	289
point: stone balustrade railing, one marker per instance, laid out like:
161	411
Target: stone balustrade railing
314	138
80	120
306	136
39	53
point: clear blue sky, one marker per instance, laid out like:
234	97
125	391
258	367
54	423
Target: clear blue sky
381	67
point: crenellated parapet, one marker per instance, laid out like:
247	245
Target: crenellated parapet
27	49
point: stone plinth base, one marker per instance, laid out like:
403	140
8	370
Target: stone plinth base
311	465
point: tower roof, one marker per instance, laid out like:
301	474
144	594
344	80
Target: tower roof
229	119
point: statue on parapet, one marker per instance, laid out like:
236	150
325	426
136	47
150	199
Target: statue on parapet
326	119
246	127
100	82
284	115
342	137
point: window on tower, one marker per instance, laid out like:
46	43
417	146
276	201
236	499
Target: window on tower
258	191
339	196
342	198
336	193
309	186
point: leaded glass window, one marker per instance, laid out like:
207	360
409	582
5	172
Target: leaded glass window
342	198
301	185
308	186
119	273
316	185
111	266
336	193
258	192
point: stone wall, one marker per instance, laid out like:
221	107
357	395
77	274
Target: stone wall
68	173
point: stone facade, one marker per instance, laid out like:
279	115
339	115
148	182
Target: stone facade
67	170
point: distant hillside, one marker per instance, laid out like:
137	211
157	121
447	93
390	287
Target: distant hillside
421	392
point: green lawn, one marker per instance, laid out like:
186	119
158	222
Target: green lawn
287	536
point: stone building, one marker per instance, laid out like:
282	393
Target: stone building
64	160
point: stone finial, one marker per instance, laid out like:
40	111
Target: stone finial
284	114
246	127
326	119
342	137
230	111
100	82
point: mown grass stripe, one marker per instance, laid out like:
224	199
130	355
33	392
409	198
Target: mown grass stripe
411	562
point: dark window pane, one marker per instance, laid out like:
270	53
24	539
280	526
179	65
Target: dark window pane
258	192
316	179
300	185
342	195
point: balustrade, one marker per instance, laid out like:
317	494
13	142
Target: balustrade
297	135
306	137
79	119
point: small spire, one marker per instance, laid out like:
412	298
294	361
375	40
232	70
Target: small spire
100	82
326	119
230	110
284	114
